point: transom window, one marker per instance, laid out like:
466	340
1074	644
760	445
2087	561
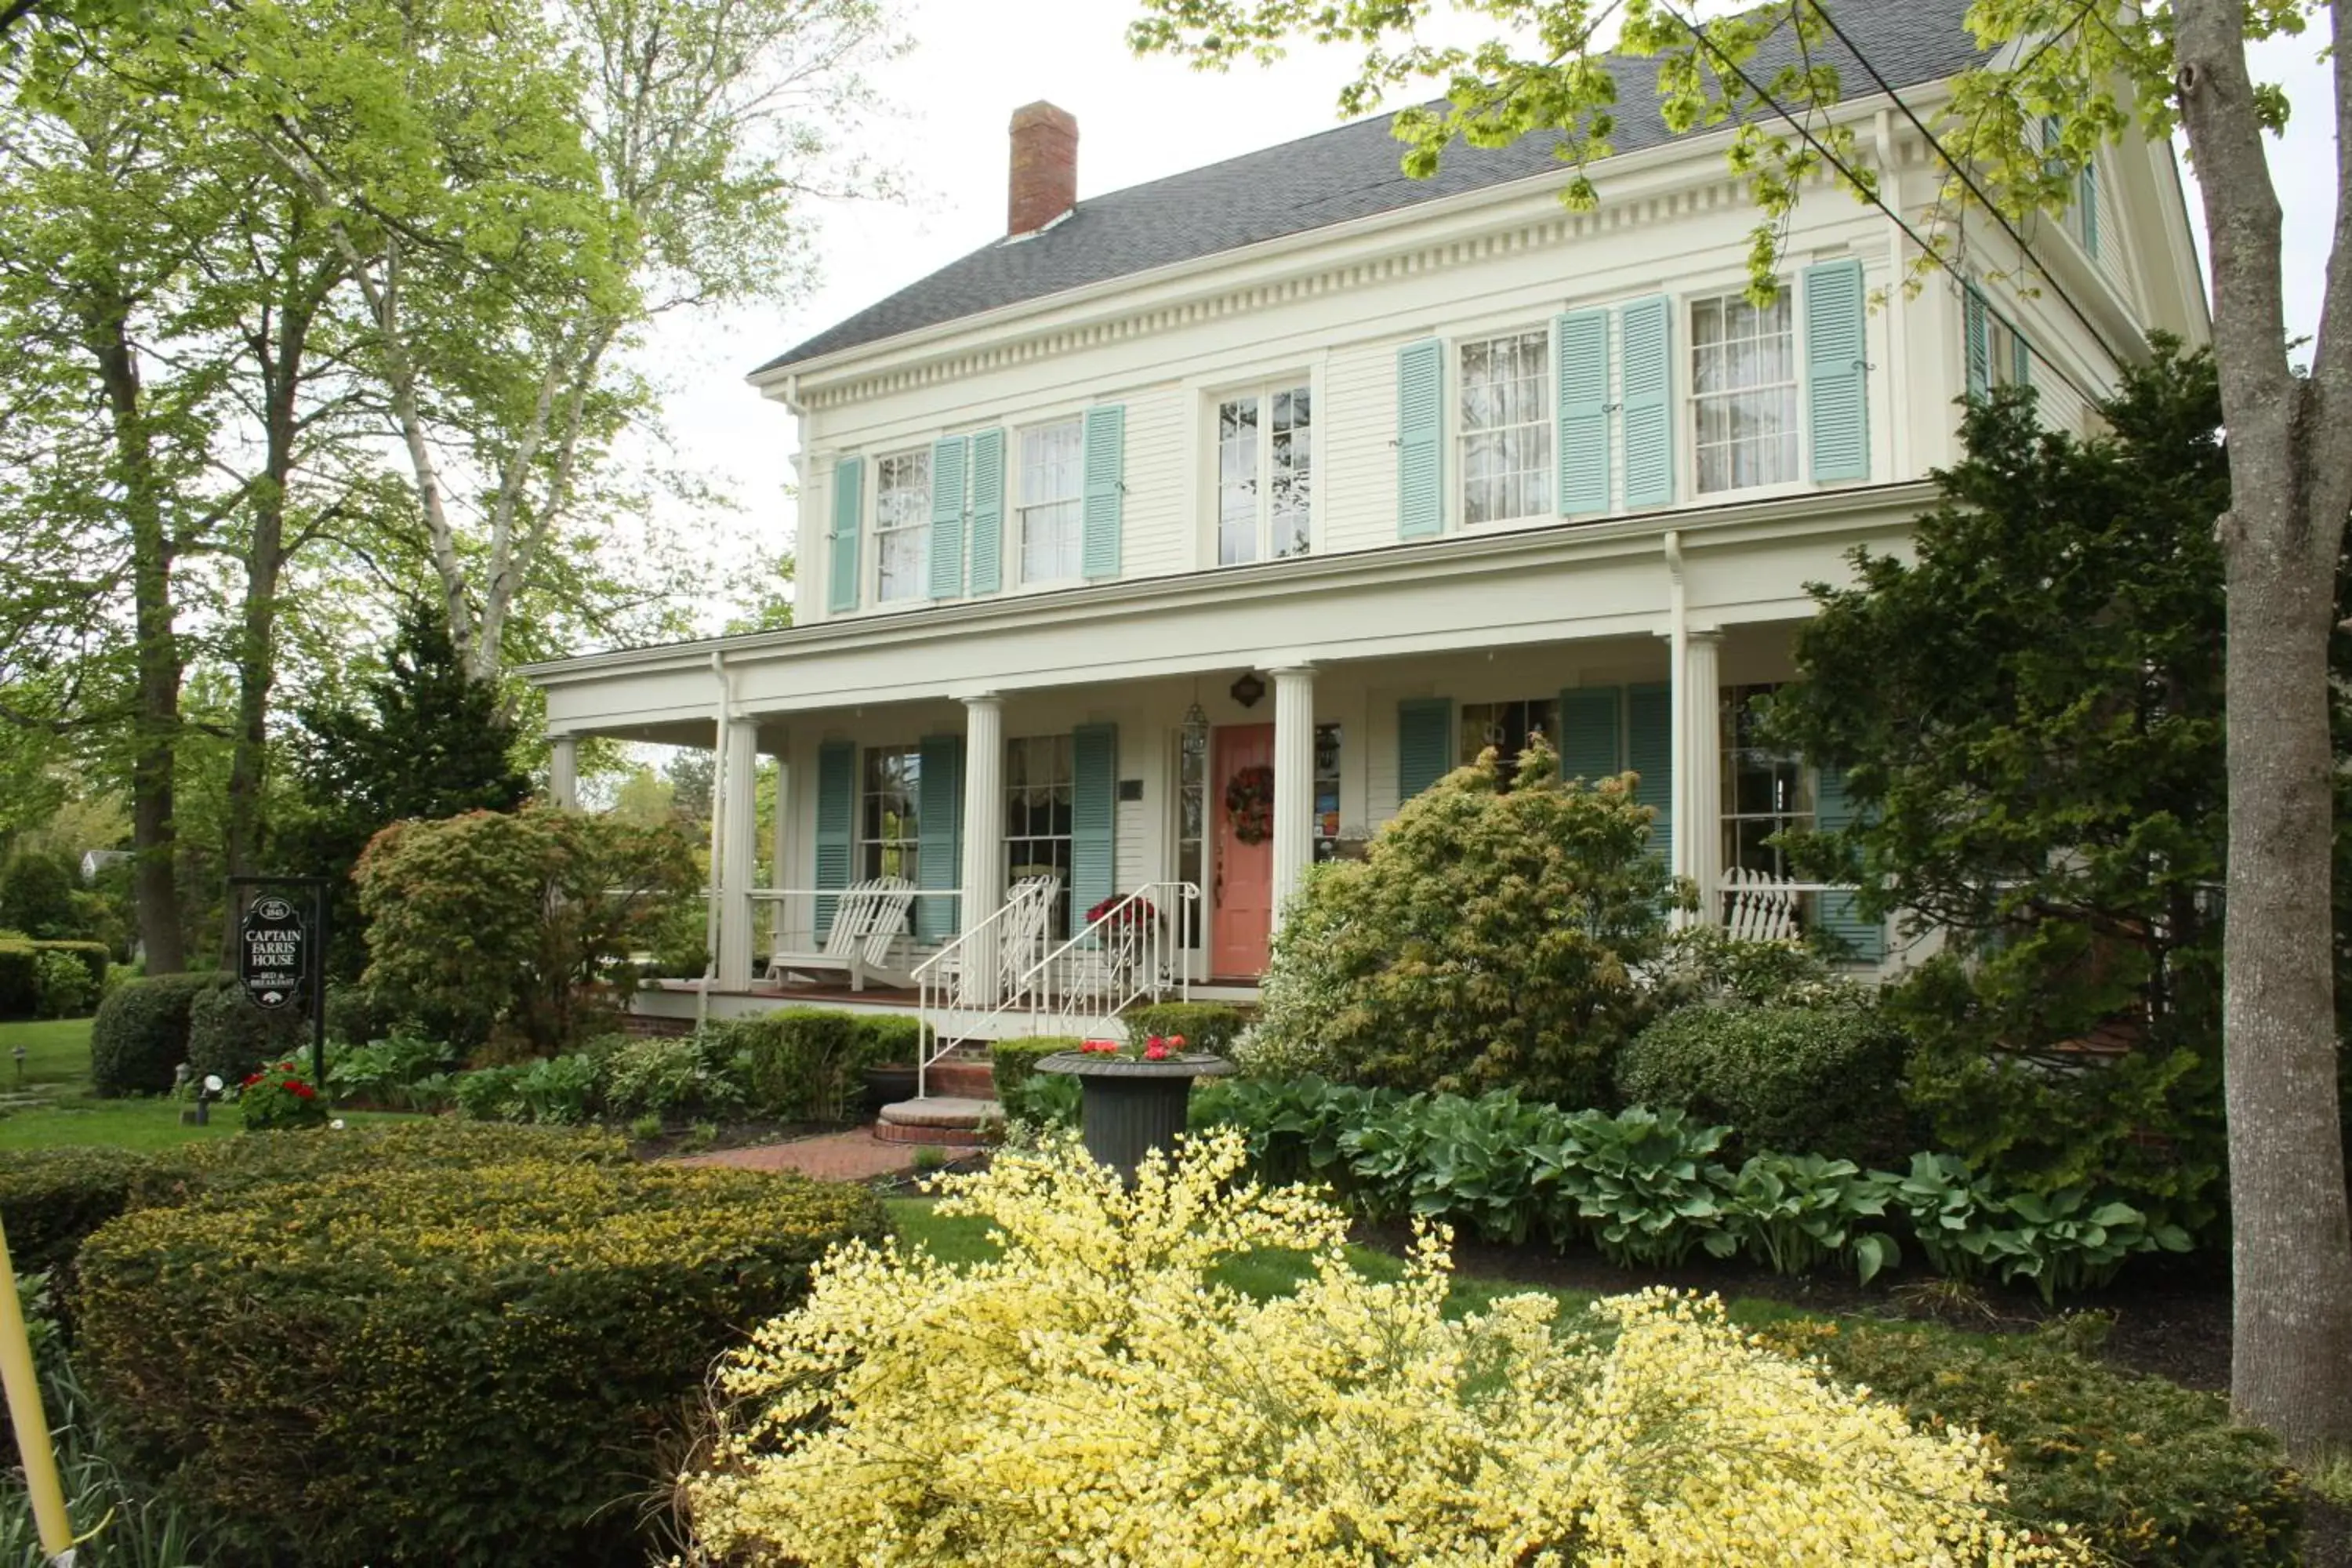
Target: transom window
1765	791
1506	436
1508	727
902	525
1038	792
1052	503
1744	391
1265	474
889	834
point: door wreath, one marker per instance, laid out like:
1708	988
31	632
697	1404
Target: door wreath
1249	804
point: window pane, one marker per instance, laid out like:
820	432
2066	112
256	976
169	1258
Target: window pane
1744	381
1505	444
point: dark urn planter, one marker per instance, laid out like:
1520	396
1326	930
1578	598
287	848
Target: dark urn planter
888	1085
1128	1108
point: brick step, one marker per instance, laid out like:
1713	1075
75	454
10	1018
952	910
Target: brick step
960	1077
950	1121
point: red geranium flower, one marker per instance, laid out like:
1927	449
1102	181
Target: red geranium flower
304	1090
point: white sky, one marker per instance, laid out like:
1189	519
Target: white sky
977	60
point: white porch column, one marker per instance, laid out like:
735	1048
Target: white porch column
563	771
1699	823
738	819
983	883
1294	781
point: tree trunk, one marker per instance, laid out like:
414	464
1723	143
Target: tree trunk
2290	484
155	725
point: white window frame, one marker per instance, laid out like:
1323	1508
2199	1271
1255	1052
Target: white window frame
1212	416
1687	398
920	527
1458	433
1017	512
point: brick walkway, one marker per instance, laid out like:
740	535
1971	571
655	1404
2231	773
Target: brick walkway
855	1155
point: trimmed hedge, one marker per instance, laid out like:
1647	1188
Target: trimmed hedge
1012	1063
890	1037
230	1168
802	1062
2144	1470
230	1036
1205	1026
416	1363
51	1199
1826	1080
28	992
140	1034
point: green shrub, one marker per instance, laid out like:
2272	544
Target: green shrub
229	1169
2143	1470
1206	1026
673	1078
890	1037
20	977
1792	1212
66	989
802	1064
557	1091
52	1198
422	1364
92	956
140	1034
1010	1063
1045	1099
1816	1080
487	1094
230	1036
1489	939
386	1071
359	1016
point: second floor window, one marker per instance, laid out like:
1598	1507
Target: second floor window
902	525
1505	428
1053	487
1265	474
1744	391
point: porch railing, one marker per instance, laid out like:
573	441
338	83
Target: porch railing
1133	953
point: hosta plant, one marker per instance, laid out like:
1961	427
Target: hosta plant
1793	1211
1952	1213
1644	1181
2069	1241
1095	1394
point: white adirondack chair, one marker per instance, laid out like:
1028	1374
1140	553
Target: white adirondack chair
1028	926
868	938
1760	909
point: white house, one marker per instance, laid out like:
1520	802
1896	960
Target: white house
1291	463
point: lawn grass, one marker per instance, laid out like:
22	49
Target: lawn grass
57	1109
1274	1271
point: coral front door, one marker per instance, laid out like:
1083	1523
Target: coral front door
1240	785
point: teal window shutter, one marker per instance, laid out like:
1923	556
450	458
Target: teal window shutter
841	544
2089	198
1840	914
1650	751
988	512
2020	360
1976	329
1105	447
837	822
947	516
1837	369
1581	352
1421	440
938	828
1645	332
1591	732
1424	744
1094	818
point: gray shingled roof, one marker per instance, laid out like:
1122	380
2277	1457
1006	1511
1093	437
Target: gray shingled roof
1348	172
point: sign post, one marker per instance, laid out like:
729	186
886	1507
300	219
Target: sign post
280	954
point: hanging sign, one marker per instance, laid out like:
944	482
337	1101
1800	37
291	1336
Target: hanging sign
273	953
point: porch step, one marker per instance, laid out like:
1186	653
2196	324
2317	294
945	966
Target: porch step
944	1120
961	1077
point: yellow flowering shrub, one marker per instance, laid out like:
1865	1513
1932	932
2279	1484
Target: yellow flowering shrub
1095	1396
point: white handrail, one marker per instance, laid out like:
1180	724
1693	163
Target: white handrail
1136	951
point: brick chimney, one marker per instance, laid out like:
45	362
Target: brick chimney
1045	182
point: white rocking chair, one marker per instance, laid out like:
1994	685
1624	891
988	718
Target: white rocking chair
868	938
